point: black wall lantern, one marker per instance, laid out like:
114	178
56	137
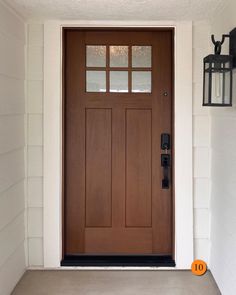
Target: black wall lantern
218	73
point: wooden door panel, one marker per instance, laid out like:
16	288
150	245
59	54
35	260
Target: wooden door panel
138	168
98	167
113	199
117	100
118	165
108	240
120	37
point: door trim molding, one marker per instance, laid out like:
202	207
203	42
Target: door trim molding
183	215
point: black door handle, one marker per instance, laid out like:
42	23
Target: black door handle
165	141
165	163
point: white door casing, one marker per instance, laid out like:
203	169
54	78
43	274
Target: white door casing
183	215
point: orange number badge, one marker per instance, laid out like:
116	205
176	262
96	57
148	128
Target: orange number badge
199	267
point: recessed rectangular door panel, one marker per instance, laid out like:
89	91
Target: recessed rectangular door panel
108	240
98	167
138	168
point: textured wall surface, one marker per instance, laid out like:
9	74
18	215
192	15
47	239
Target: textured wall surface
201	153
35	144
201	145
12	149
223	186
118	10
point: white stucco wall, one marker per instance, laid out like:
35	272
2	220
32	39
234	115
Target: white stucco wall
35	144
201	145
223	180
12	149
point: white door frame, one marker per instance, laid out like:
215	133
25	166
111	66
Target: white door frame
53	137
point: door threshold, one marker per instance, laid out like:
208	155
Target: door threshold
118	260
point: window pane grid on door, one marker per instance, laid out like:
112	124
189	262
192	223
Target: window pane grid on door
119	81
95	81
95	56
141	56
141	81
119	68
118	56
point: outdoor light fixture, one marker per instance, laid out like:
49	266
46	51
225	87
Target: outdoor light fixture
218	73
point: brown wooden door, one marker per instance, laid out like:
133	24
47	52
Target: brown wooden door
115	111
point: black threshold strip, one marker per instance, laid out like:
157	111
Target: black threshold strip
118	260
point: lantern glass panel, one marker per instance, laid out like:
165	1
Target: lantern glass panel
221	84
206	87
227	65
207	66
228	88
217	87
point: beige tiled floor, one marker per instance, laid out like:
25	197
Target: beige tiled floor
112	282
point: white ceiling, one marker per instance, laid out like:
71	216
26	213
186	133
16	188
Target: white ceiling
117	9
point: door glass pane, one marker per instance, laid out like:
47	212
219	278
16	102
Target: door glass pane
141	82
141	56
96	81
118	56
95	56
119	81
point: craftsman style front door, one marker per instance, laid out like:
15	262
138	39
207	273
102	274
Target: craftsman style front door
118	183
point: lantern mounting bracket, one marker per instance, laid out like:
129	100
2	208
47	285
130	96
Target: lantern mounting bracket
232	44
218	44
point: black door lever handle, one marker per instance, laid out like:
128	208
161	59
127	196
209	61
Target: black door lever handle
165	163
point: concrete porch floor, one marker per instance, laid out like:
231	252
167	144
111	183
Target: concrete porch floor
113	282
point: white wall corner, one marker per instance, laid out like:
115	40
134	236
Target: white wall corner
13	11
